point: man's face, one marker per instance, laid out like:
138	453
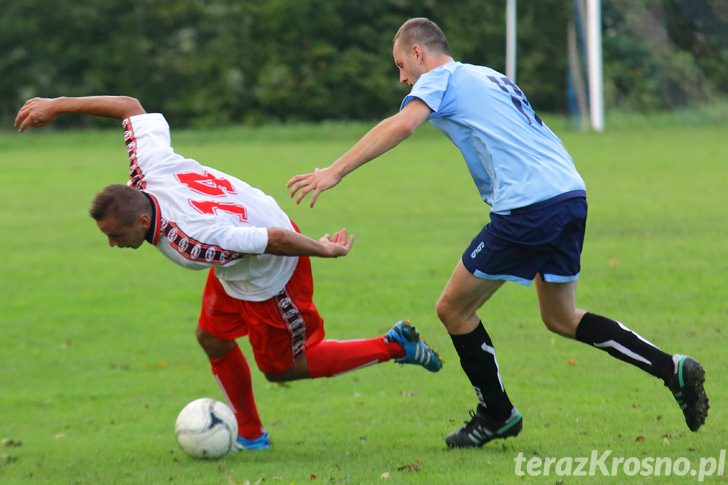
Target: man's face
121	236
409	62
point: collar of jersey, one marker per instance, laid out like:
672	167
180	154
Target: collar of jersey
152	235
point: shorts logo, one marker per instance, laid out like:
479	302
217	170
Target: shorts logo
477	250
196	250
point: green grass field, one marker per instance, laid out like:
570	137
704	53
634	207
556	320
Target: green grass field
98	350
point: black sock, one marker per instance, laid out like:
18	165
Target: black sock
624	344
477	359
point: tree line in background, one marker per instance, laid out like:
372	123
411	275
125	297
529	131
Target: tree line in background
209	62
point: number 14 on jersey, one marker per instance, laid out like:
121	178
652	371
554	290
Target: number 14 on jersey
207	184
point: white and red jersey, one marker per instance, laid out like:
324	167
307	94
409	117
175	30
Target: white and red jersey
206	218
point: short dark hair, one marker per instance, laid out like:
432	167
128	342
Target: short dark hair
420	30
121	202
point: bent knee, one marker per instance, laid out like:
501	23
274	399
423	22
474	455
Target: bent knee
213	346
273	377
561	326
205	339
454	318
446	311
200	334
552	324
297	370
287	375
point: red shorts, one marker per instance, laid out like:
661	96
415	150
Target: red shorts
279	328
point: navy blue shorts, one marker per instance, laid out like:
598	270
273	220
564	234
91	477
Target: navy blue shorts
544	238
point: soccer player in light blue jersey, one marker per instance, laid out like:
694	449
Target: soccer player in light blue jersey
536	229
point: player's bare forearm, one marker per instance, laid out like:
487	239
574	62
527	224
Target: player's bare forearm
39	112
387	134
284	242
384	136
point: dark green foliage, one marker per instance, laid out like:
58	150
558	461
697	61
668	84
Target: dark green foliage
210	62
663	54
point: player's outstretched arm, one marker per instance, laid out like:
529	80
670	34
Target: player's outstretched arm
284	242
39	112
387	134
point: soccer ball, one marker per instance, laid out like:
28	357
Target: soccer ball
206	428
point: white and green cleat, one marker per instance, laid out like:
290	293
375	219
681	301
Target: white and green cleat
482	429
686	385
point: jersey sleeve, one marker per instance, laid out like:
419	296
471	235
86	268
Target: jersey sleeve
148	143
240	239
430	88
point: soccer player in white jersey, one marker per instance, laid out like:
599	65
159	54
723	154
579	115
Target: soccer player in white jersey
259	282
536	230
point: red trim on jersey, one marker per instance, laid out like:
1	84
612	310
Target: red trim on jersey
157	219
195	250
136	176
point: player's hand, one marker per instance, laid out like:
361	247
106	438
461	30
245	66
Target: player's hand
339	244
315	182
35	112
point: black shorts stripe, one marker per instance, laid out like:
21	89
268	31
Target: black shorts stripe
294	321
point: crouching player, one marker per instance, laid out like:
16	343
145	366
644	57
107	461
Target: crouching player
259	282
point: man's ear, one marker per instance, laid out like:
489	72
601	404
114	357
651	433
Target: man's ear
145	220
418	52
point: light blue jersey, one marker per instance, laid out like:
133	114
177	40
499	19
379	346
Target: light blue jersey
513	157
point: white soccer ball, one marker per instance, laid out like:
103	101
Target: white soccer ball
206	428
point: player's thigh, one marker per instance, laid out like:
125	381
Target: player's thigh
220	320
280	328
564	262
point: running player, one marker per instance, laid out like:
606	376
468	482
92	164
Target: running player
259	282
536	230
